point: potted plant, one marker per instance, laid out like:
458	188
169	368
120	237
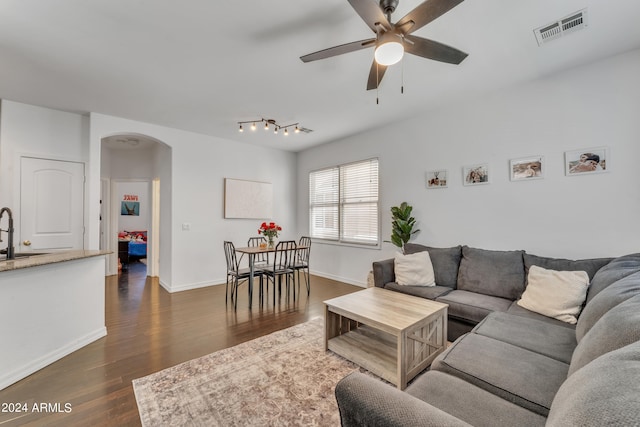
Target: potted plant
402	225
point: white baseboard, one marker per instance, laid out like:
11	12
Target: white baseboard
29	368
190	286
339	279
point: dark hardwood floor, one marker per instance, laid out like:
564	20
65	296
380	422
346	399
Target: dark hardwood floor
149	329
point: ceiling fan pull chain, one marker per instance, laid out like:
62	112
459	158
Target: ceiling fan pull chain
377	86
402	78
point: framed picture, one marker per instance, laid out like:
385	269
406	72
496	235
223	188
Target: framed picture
586	161
130	208
526	168
475	174
436	179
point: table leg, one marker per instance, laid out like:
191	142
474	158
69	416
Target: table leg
251	272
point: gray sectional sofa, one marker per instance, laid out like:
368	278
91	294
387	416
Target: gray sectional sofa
475	282
515	367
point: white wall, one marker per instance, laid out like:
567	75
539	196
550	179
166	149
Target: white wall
199	165
559	216
27	130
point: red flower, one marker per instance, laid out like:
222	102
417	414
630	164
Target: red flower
270	230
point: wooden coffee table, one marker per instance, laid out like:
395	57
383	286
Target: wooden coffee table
393	335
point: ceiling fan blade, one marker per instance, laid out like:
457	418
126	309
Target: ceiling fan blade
338	50
375	75
433	50
370	12
425	13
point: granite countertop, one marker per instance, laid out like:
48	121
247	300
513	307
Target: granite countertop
50	258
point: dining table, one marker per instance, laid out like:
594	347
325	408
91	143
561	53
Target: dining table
251	252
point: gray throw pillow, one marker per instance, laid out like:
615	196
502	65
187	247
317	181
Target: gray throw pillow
495	273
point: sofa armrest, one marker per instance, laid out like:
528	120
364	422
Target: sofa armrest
383	272
365	401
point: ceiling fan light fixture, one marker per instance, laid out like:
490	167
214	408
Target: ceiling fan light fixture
389	50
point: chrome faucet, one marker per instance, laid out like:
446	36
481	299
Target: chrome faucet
10	250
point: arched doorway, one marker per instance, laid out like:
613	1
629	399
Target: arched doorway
130	160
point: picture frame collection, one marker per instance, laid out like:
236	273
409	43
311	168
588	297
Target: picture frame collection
576	163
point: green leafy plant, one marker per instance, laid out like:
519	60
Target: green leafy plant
402	225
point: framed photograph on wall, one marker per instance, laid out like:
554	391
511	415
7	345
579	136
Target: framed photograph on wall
475	174
130	208
436	179
526	168
586	161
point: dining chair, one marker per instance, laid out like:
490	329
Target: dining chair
283	260
302	262
235	274
261	259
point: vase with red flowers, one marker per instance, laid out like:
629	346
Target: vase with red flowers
270	231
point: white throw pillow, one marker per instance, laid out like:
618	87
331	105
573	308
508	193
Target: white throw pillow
557	294
414	269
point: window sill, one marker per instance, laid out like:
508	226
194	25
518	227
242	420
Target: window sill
319	241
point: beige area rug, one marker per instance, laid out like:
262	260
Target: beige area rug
282	379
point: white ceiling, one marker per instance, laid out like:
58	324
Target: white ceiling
203	65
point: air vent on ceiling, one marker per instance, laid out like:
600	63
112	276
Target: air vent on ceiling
569	24
305	130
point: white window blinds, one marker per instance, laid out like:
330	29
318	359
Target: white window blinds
323	204
343	203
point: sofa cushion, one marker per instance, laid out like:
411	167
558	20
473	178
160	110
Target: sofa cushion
617	269
462	400
414	269
471	306
557	294
429	292
523	377
445	261
548	339
608	298
617	328
590	266
603	393
495	273
515	309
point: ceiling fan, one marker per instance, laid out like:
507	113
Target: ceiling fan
392	40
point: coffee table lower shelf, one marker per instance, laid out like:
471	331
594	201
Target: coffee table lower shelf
374	350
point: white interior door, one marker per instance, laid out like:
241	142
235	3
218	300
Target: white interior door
51	205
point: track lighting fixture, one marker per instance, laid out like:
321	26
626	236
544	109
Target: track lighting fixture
276	126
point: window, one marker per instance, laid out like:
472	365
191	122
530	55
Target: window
343	203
